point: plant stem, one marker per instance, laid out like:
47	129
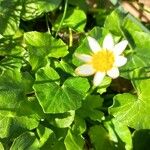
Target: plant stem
63	17
47	24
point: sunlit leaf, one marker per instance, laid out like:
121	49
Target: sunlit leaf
41	46
120	134
26	140
75	19
1	146
62	120
100	138
9	23
133	110
46	137
58	99
73	141
35	8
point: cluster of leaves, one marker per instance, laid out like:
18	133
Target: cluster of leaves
43	104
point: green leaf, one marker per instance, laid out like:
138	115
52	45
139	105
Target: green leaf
131	24
12	46
10	64
46	137
91	108
10	21
133	110
104	85
59	145
66	121
65	66
46	74
140	54
56	99
115	18
13	90
34	8
141	139
75	19
142	51
79	125
100	138
15	110
27	82
1	146
41	46
73	141
82	4
11	93
120	134
63	120
26	141
13	126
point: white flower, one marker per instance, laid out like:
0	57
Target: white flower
104	60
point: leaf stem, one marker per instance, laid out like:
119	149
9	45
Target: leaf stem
47	24
63	17
70	37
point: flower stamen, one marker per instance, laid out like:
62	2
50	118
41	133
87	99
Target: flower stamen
103	60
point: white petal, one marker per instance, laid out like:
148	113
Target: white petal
98	78
120	61
120	47
108	42
93	44
85	70
113	73
84	57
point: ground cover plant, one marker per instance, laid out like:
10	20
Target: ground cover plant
74	75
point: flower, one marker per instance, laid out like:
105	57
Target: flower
103	60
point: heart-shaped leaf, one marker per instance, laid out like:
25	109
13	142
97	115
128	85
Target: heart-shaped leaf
58	99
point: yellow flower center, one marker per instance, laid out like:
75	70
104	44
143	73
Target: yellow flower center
103	60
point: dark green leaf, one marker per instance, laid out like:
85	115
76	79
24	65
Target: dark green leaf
91	108
141	139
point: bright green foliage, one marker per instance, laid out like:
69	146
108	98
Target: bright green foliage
113	136
44	105
73	141
36	8
1	146
26	140
58	99
100	138
41	46
119	134
131	109
75	19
